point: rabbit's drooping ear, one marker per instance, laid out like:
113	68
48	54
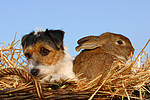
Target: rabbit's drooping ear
89	42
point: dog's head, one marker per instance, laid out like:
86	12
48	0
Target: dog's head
44	50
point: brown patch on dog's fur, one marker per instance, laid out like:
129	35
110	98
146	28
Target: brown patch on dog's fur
51	59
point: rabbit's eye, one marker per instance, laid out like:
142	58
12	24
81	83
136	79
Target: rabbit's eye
44	51
119	42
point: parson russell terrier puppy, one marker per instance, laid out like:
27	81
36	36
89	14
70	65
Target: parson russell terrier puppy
47	56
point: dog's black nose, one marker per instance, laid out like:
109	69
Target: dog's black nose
34	72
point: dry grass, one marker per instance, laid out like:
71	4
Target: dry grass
129	80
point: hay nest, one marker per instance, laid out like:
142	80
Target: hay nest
127	81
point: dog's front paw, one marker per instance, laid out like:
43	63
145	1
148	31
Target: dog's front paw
56	78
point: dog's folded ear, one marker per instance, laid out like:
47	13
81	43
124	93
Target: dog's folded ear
28	39
57	36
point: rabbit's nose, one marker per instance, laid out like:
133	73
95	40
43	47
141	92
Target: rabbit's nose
35	72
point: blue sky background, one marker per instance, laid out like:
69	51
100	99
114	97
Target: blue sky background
77	18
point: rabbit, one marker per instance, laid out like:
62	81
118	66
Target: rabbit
99	54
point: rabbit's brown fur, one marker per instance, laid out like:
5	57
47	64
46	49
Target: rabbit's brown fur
100	52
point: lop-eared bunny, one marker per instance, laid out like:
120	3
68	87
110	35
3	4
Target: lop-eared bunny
100	52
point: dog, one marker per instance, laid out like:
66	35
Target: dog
48	58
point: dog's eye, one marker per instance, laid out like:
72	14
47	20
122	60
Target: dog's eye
28	55
119	42
44	51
